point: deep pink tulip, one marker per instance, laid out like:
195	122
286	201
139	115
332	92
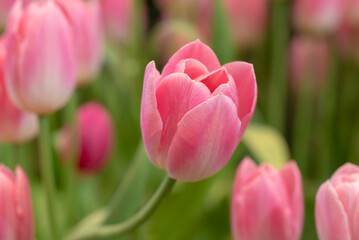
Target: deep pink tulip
40	65
309	61
118	18
95	136
337	206
317	16
16	218
267	204
194	114
5	6
247	20
15	125
86	22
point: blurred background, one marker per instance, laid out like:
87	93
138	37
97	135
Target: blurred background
306	58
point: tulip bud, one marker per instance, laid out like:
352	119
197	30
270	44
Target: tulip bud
40	65
337	207
309	61
85	19
194	114
93	135
16	218
267	203
317	16
248	20
118	18
15	125
5	6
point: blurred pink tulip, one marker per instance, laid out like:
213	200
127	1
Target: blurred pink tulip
337	206
248	20
40	65
15	125
16	218
118	18
95	136
5	6
317	16
267	204
85	19
309	61
194	114
351	13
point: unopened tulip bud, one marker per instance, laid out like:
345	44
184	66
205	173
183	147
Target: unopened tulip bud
93	135
194	114
40	65
337	206
16	217
16	125
267	203
85	20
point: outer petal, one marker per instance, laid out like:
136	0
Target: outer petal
151	123
244	77
245	171
7	205
292	181
205	140
355	221
196	50
346	169
176	95
330	217
24	215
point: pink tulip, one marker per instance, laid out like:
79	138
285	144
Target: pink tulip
118	18
85	19
5	6
16	218
95	135
317	16
15	125
309	61
337	206
351	13
40	65
247	20
267	204
194	114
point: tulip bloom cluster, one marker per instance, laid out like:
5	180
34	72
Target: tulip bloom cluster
194	114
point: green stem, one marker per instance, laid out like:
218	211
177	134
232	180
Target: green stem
47	172
129	225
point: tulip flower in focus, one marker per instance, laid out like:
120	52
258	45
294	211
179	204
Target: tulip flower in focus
309	61
85	19
267	204
93	135
194	114
118	18
16	218
5	6
40	65
247	20
337	206
16	125
317	16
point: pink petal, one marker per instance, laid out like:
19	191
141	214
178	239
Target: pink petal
151	123
244	77
7	204
330	217
192	67
214	79
245	171
205	140
176	95
195	50
229	89
346	169
292	181
355	221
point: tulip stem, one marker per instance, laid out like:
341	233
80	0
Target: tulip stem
46	171
132	223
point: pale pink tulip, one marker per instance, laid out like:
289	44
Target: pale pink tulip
194	114
247	20
16	218
92	138
267	204
5	6
86	22
317	16
40	65
337	206
118	18
15	125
